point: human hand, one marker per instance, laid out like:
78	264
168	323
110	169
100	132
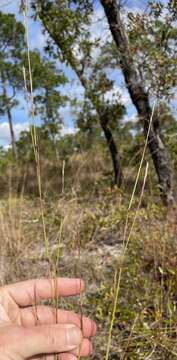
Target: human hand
29	330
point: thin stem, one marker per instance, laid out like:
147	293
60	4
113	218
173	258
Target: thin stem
33	127
126	243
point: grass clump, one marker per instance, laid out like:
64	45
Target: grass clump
87	232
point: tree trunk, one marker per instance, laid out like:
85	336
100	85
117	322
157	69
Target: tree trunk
14	149
75	65
9	115
140	99
118	175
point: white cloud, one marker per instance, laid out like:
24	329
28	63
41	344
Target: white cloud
73	90
125	97
118	93
5	139
5	132
133	118
68	130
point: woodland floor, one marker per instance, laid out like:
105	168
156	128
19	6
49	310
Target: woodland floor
91	246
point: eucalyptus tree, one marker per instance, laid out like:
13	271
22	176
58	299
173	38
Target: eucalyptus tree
153	45
67	24
149	58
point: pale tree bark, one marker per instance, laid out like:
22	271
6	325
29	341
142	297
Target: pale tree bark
9	116
140	99
12	134
69	56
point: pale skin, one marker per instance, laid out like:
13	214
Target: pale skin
29	330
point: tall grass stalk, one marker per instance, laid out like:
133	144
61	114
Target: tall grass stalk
55	297
63	177
118	273
34	134
33	127
139	171
130	336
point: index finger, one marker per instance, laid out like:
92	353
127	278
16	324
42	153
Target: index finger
28	292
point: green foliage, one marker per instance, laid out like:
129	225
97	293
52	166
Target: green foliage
45	144
67	24
71	18
47	95
11	48
153	46
12	44
11	37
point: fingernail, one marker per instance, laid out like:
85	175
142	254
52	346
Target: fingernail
73	336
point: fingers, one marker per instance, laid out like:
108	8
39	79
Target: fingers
63	356
28	292
48	315
85	349
41	339
66	357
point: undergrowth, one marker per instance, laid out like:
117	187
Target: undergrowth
146	321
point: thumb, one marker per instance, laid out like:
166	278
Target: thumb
42	339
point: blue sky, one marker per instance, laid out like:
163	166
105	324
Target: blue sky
73	88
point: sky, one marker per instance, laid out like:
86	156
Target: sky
73	88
